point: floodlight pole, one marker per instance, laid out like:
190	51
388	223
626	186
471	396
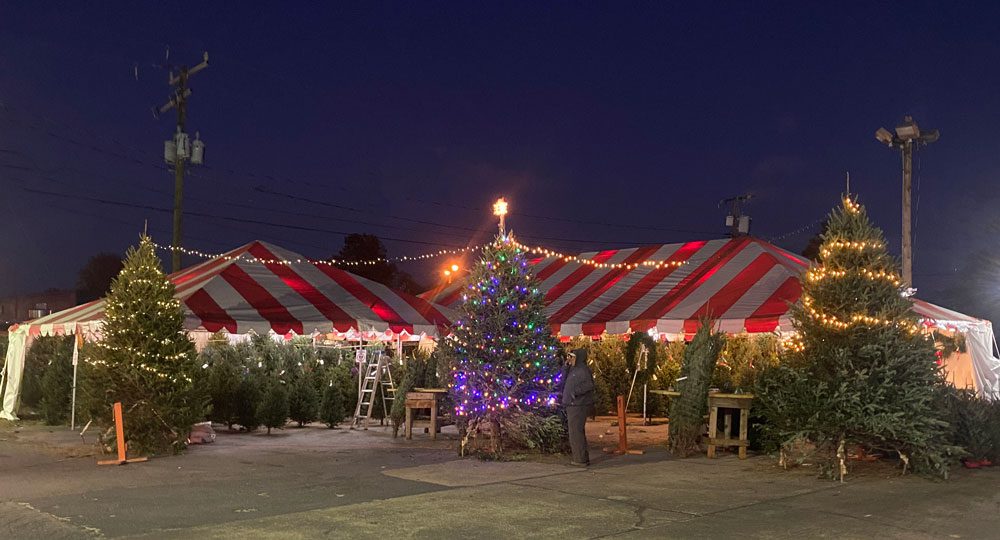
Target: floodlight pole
905	137
906	149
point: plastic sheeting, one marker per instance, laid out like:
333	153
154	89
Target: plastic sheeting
12	372
979	341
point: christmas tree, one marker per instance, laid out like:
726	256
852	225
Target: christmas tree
303	402
866	374
333	408
273	409
503	357
145	360
688	410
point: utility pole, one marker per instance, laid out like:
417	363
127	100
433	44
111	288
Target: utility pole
907	136
737	221
180	149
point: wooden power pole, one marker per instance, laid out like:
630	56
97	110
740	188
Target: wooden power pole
181	149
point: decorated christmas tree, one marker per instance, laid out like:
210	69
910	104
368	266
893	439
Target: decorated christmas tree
502	355
866	374
145	360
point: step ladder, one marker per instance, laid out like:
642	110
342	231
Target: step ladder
372	368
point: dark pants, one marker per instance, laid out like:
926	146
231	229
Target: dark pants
576	420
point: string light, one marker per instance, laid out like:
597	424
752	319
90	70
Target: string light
819	274
596	264
828	247
851	206
856	319
793	343
328	262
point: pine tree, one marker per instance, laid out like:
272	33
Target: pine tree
868	374
145	360
273	409
502	354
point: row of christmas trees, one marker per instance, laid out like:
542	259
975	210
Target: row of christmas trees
862	373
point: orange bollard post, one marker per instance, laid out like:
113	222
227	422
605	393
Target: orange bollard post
120	440
622	432
622	427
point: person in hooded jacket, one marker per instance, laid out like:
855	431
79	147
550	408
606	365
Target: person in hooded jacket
578	398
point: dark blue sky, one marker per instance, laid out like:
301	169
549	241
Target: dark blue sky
641	116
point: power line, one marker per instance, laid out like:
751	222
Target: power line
800	230
278	178
223	218
264	190
37	171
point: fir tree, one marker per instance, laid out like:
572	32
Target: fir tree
57	388
273	409
302	401
333	408
868	374
248	395
145	360
688	410
220	380
502	353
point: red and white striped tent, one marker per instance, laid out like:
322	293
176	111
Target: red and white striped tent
746	284
258	287
251	288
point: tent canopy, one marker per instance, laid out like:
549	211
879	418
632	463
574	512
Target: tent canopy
744	283
250	288
258	287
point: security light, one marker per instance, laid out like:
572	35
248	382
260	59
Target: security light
884	136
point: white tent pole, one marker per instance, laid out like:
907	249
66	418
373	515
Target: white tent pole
76	360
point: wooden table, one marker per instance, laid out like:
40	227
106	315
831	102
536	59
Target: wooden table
739	402
716	401
423	398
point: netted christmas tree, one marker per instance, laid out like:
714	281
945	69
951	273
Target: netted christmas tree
865	375
687	411
145	360
502	355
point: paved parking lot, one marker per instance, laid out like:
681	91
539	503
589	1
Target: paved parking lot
305	483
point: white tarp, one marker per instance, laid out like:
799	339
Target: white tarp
12	371
979	341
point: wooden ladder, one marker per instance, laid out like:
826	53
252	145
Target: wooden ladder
370	372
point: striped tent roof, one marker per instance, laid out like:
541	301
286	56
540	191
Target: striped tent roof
242	290
745	283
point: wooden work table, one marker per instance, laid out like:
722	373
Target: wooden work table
735	402
423	398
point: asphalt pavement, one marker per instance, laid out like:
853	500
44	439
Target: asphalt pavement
314	482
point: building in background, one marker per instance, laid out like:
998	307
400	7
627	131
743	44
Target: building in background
17	309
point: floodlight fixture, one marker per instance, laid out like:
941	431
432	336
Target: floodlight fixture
884	136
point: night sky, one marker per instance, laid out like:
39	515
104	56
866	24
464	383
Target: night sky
605	126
